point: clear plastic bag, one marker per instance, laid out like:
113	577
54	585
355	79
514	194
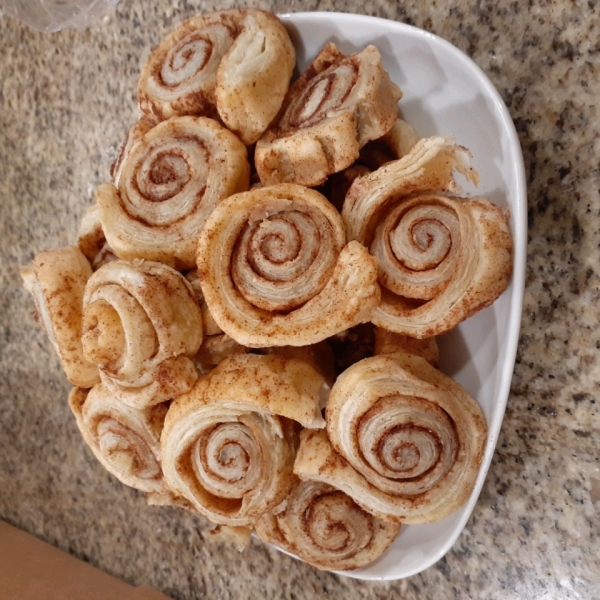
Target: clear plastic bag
54	15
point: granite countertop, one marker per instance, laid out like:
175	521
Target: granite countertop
66	100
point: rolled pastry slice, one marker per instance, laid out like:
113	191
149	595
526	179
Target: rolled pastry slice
275	269
236	62
142	326
325	528
125	440
181	73
56	279
405	441
228	445
388	342
254	76
169	183
337	106
441	259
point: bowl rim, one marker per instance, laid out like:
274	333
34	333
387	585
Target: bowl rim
518	209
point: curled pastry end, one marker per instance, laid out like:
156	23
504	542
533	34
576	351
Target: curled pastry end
56	279
181	73
337	106
406	441
275	269
142	326
235	64
254	75
325	528
125	440
464	266
441	259
228	444
428	167
169	182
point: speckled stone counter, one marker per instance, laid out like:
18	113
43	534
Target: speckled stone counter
66	100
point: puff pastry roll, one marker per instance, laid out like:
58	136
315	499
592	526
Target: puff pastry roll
441	259
125	440
405	441
228	445
56	279
326	528
275	269
337	106
169	183
388	342
142	326
234	62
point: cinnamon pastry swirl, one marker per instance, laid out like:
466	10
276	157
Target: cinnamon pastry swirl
125	440
441	259
237	63
275	269
326	528
337	106
142	326
169	183
228	445
56	279
405	441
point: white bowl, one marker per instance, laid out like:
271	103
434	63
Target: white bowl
446	93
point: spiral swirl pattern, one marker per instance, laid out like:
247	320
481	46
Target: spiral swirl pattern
285	259
124	439
141	325
275	269
229	444
337	106
417	246
441	259
326	528
405	441
181	74
325	93
234	65
168	184
190	55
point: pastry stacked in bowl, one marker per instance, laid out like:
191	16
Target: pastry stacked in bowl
249	316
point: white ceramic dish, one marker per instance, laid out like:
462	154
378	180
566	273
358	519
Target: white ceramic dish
446	93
